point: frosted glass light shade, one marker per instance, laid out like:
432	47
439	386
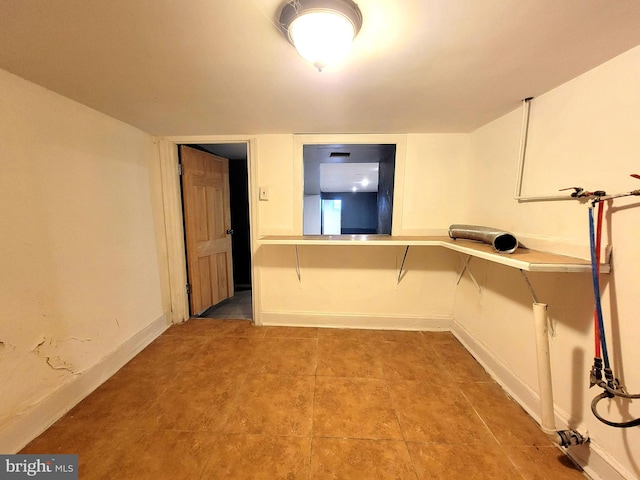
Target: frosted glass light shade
322	37
321	30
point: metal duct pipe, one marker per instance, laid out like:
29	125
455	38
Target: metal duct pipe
502	242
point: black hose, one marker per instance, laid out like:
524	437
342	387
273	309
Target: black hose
607	394
617	392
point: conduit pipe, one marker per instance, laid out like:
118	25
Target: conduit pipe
524	135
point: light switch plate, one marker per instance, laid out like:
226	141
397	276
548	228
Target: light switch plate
264	193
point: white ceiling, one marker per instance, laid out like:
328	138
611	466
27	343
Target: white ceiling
349	177
197	67
340	167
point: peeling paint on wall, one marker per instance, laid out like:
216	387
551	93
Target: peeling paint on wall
37	347
58	363
55	361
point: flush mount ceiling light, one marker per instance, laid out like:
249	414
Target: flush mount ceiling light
321	30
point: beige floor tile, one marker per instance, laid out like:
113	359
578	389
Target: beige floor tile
291	332
505	418
354	407
127	399
273	404
167	352
239	328
349	334
356	459
227	355
346	358
439	337
198	400
408	363
459	364
259	457
437	413
95	447
412	338
204	327
461	462
543	463
287	356
162	454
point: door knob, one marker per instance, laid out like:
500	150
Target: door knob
229	231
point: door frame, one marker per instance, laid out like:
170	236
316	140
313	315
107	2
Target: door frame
174	221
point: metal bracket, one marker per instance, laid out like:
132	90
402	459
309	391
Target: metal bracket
298	265
526	280
551	323
465	267
406	251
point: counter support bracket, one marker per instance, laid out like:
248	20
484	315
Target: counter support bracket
551	325
406	251
298	265
465	267
531	290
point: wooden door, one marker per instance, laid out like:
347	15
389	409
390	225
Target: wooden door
207	218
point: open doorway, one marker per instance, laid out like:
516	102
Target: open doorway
237	303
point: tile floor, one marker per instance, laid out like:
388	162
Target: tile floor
222	399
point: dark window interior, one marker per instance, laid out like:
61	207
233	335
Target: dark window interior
366	209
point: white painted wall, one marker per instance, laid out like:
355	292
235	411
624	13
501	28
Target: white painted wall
357	286
585	133
83	260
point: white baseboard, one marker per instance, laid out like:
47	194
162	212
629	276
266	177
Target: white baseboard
330	320
21	430
592	458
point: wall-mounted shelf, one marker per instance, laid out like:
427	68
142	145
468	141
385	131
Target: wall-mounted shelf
523	258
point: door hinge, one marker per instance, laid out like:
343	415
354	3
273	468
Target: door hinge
188	289
179	169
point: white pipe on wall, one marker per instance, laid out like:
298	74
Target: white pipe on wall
547	416
524	136
564	438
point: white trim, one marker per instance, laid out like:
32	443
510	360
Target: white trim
23	428
174	225
174	231
254	227
592	458
599	464
374	322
